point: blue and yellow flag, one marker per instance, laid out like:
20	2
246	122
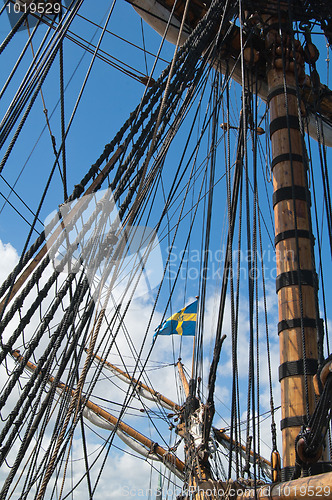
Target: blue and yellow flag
180	323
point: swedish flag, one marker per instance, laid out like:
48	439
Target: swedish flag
180	323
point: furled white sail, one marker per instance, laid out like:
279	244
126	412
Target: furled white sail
129	441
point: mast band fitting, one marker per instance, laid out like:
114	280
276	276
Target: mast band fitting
293	368
287	473
290	278
297	421
288	157
318	468
284	122
286	193
287	324
292	233
281	91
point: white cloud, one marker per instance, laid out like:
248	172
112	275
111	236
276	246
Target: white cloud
124	473
8	259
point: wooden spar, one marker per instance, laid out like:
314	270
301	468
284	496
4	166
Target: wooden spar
291	214
158	450
134	381
222	436
43	251
305	488
184	381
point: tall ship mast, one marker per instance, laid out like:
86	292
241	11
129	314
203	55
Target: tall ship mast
165	299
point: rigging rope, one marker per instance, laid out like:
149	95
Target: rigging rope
32	345
132	175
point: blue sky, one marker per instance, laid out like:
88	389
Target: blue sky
108	99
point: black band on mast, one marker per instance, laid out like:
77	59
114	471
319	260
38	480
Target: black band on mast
292	233
297	421
283	122
287	324
281	91
293	368
290	278
287	157
286	193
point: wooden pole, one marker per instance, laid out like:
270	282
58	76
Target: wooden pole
163	454
295	266
139	384
222	436
305	488
183	378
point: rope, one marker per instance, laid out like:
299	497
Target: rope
16	27
45	63
129	178
61	332
154	91
62	112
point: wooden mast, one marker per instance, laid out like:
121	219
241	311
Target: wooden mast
296	275
296	282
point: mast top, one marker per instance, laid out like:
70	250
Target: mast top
303	11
